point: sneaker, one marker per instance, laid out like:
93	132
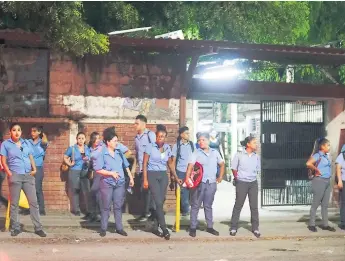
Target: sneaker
257	233
43	212
40	233
233	232
166	234
312	228
102	233
122	232
87	216
212	231
94	218
143	218
192	232
77	213
157	233
328	228
15	232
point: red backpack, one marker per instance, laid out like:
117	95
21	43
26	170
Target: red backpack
195	177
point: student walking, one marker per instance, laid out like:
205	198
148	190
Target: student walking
109	163
39	144
245	167
340	178
320	164
143	138
19	165
209	159
78	157
181	153
156	159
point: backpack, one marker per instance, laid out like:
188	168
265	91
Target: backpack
178	153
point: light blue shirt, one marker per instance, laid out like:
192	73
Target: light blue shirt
39	151
247	166
141	141
184	156
18	160
158	160
80	164
340	160
209	162
103	160
324	165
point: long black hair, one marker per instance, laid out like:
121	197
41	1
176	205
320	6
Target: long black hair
39	129
318	143
180	131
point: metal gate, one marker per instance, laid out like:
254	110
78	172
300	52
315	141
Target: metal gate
288	130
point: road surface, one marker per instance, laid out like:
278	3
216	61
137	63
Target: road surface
318	249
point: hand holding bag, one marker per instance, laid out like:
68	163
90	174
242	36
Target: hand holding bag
64	166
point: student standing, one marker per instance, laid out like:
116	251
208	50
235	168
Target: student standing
77	157
245	167
143	138
340	174
181	153
320	163
109	163
19	165
39	144
156	159
2	177
205	192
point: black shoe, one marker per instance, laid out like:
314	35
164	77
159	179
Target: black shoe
212	231
122	233
87	216
102	233
43	212
77	213
94	218
342	227
312	228
157	233
166	234
15	233
256	233
40	233
192	232
185	214
328	228
233	232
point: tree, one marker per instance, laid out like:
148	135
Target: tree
61	24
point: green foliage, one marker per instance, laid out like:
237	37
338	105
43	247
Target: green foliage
61	24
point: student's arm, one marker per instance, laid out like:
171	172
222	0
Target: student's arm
172	167
173	159
98	164
5	166
338	165
147	154
311	164
234	165
67	157
191	164
33	165
221	164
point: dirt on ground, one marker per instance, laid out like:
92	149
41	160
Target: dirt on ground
317	249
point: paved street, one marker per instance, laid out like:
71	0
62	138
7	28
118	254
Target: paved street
330	249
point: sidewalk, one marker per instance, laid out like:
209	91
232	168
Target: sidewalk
65	226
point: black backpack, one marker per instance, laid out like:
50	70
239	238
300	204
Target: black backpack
179	149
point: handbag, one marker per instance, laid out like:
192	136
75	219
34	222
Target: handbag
195	177
64	166
311	172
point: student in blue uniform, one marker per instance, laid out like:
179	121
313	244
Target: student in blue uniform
205	192
78	157
143	138
340	178
19	165
181	153
109	162
245	167
39	144
156	160
3	201
320	163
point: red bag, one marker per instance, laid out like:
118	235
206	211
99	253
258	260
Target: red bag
195	177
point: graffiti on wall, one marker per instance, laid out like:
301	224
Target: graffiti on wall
23	82
122	108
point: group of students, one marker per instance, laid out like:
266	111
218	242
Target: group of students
101	173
